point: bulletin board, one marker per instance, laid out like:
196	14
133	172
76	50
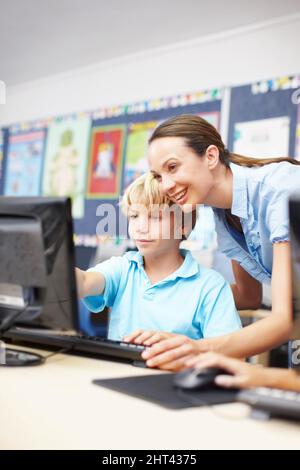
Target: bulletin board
97	154
87	225
263	118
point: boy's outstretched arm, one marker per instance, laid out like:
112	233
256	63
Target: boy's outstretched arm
89	283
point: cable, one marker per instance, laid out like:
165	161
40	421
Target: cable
60	351
22	358
8	321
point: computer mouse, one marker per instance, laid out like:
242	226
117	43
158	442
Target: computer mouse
197	379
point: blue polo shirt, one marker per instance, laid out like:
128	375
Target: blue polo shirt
260	200
193	300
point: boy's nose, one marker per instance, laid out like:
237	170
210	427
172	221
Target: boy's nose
143	226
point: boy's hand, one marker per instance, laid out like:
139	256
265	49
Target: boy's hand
172	353
80	278
89	283
148	338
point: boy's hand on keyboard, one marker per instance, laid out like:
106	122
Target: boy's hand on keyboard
147	338
171	353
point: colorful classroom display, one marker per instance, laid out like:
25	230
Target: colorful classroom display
93	156
24	164
136	150
105	165
66	161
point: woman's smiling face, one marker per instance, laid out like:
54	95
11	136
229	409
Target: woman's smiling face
184	176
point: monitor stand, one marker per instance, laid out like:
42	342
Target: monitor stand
18	358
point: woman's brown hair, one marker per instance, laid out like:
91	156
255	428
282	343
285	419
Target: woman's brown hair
200	134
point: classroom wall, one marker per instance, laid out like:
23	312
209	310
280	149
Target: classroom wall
243	55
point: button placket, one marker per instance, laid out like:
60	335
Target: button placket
148	294
148	288
255	250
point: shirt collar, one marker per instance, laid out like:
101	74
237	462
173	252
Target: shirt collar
136	257
239	191
189	267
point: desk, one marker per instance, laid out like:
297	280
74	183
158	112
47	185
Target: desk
55	406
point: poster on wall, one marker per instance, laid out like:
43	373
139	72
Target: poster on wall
66	161
105	164
136	150
138	135
263	138
24	164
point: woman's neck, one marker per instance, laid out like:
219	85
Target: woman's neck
220	195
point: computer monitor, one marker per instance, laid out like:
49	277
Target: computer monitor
294	215
37	279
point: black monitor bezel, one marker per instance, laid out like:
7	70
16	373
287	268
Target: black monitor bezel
20	206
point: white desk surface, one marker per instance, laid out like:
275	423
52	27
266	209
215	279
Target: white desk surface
55	406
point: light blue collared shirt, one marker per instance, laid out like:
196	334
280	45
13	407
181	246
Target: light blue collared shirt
193	301
260	200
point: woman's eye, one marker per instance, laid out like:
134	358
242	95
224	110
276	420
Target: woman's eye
172	167
133	216
158	178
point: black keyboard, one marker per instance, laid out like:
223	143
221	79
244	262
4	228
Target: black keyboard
98	346
272	402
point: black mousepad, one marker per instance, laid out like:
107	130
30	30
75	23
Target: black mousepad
159	389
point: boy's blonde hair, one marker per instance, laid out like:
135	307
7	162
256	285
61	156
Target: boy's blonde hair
145	190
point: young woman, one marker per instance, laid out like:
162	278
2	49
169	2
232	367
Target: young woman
249	197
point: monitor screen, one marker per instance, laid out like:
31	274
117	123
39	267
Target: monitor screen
37	279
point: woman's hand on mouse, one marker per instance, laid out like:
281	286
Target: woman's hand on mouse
245	375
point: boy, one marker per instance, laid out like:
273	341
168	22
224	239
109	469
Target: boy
159	287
